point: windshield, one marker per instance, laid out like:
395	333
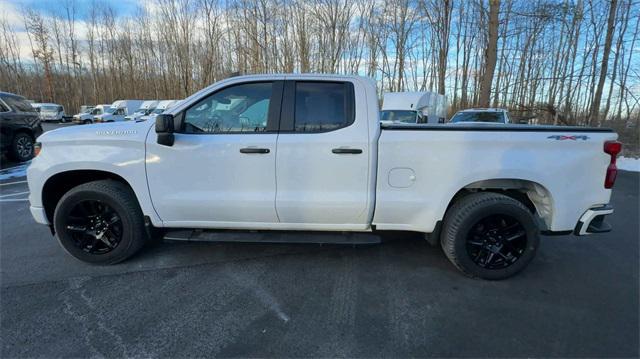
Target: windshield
495	117
109	110
158	110
398	116
87	110
49	108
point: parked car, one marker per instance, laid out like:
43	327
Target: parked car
160	108
19	127
481	115
485	193
118	110
86	116
413	107
51	112
145	109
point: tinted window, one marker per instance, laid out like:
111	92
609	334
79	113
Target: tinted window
3	108
322	106
478	117
240	108
18	104
398	116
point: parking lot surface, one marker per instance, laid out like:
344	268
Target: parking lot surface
579	297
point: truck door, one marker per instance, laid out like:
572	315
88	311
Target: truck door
322	164
221	167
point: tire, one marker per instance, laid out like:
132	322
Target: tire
76	233
489	235
21	147
87	122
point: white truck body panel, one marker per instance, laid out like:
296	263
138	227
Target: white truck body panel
404	179
571	183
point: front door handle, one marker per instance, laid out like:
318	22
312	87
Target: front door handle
254	150
341	151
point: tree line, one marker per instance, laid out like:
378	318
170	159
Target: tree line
559	61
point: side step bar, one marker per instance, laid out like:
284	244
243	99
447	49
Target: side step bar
198	235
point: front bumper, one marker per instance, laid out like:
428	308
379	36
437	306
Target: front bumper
39	215
592	221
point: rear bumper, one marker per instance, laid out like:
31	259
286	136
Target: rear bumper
593	221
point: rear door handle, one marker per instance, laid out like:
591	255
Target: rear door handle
254	150
342	151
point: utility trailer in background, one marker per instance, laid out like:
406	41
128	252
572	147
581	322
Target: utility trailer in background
413	107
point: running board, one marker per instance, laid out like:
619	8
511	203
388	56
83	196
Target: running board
272	236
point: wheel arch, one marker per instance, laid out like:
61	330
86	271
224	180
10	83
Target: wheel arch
60	183
536	197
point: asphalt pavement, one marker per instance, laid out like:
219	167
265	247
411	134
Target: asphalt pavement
578	298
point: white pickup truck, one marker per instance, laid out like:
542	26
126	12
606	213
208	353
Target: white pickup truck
307	153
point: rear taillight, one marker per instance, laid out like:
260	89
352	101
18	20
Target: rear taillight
611	148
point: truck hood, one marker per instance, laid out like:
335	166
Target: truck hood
105	132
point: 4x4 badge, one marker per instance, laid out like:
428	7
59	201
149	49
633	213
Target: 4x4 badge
573	138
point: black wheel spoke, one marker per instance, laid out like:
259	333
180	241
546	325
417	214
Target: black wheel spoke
496	241
94	226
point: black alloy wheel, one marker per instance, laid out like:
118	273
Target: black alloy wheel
496	241
22	147
490	235
94	226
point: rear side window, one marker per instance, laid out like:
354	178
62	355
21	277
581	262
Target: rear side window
322	106
18	103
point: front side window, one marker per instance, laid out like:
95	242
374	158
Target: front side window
119	112
239	108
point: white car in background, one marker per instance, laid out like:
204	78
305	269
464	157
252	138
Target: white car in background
482	115
50	111
162	106
145	109
118	110
86	116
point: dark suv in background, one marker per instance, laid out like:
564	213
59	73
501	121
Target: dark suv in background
19	126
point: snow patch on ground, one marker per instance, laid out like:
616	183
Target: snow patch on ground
14	172
628	164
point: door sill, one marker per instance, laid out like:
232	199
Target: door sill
198	235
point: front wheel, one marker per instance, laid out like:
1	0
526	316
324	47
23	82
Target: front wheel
100	222
21	147
87	122
489	235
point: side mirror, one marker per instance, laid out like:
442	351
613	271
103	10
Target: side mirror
164	129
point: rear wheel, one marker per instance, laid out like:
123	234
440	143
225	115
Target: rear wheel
21	147
489	235
100	222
